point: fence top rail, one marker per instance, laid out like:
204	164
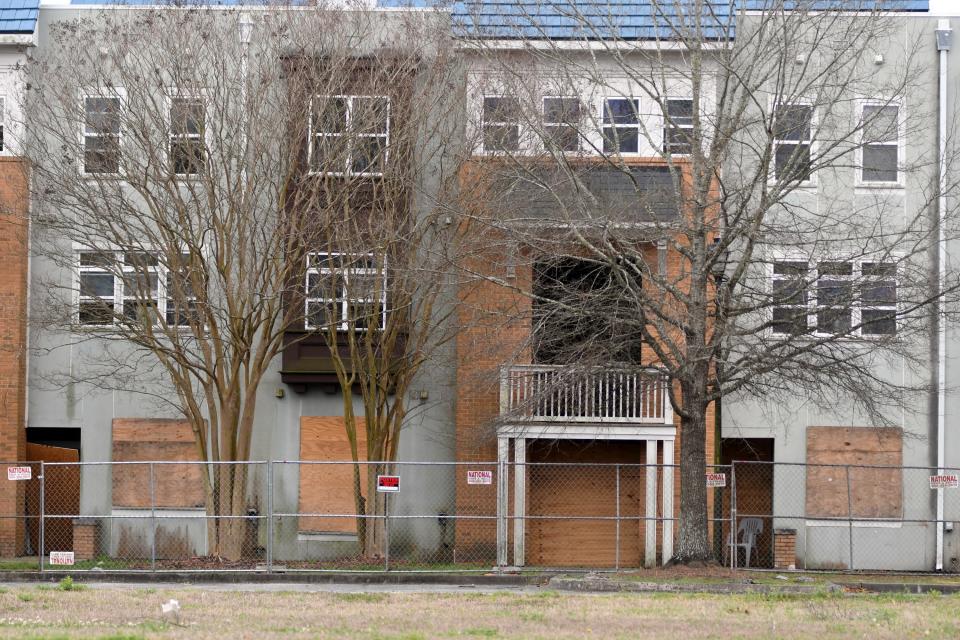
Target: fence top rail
111	463
509	463
777	463
396	463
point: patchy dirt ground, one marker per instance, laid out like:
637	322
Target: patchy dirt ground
49	612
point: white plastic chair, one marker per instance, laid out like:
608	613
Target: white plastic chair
747	533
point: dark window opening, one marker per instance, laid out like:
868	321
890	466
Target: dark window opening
583	312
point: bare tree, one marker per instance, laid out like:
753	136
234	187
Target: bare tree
380	248
685	199
184	163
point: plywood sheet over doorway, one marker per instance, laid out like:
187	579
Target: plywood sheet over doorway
61	496
578	492
329	488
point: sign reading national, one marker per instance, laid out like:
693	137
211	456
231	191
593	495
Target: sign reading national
944	481
18	473
388	484
716	479
479	477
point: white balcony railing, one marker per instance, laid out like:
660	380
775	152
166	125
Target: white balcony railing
552	393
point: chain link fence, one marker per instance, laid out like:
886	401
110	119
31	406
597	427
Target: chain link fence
466	516
845	517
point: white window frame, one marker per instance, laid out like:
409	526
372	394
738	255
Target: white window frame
499	123
315	268
667	125
118	271
119	95
857	280
888	307
173	95
900	144
577	128
135	271
639	125
774	276
80	299
811	143
167	302
348	163
852	279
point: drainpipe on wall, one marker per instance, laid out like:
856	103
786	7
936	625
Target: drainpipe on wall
944	41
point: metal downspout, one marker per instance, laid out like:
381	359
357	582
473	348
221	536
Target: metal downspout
944	41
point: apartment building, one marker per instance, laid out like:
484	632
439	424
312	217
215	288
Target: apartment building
564	146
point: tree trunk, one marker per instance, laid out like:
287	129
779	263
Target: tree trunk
374	534
694	541
360	506
226	530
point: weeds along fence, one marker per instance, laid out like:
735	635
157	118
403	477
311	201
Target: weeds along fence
295	516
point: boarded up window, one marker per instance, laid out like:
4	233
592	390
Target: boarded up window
176	486
328	488
874	492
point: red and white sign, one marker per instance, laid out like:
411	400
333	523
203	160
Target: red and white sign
947	481
479	477
61	557
18	473
388	484
716	479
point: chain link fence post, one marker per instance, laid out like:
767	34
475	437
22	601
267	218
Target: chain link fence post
269	516
40	544
616	562
153	520
386	531
849	519
732	535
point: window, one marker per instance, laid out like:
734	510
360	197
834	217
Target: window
878	297
881	143
181	307
834	297
580	307
850	298
790	298
97	288
101	135
792	124
141	290
187	130
345	292
118	286
678	127
561	118
501	123
621	125
349	135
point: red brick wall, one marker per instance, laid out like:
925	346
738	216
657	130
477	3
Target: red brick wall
495	323
14	197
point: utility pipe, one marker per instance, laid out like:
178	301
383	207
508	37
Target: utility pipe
944	40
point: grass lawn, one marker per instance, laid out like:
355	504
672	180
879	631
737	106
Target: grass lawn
120	613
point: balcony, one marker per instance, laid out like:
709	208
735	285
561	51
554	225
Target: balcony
596	395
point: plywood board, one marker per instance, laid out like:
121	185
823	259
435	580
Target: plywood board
174	485
329	488
873	492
